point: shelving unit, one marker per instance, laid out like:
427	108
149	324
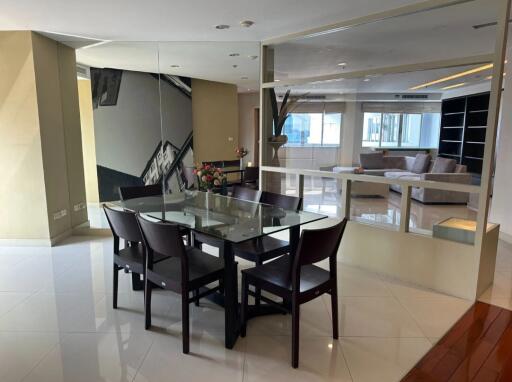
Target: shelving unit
463	127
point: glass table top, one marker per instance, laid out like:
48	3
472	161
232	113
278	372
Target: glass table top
220	216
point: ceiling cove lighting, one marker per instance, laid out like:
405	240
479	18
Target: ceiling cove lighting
454	86
222	26
454	76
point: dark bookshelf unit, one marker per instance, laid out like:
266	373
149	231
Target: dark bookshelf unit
463	127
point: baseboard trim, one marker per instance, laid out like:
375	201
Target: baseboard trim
506	237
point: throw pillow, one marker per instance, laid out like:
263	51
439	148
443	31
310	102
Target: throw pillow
444	165
373	161
421	163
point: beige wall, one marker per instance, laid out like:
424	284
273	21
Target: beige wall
22	190
215	120
247	103
72	134
38	130
88	143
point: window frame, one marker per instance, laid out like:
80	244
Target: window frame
321	144
400	130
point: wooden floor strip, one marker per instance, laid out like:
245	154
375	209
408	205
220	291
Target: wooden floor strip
477	348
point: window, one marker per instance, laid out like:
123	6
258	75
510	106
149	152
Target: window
371	129
313	129
401	130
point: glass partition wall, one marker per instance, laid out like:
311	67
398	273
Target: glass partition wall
141	126
390	78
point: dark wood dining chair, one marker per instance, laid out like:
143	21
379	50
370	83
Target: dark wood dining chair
267	247
132	192
251	177
246	193
131	258
286	202
297	279
186	269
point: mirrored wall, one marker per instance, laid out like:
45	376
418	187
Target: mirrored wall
139	104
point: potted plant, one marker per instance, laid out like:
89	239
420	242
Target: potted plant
209	177
279	116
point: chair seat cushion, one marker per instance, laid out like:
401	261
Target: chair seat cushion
264	248
200	266
278	273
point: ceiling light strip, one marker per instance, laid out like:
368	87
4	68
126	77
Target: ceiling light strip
454	86
454	76
415	67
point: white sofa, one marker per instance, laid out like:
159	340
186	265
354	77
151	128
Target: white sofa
404	167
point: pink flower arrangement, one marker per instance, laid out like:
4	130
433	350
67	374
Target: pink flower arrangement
209	176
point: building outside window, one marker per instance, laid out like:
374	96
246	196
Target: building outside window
408	130
313	129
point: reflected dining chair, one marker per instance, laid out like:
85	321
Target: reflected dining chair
267	247
131	258
297	279
245	193
186	269
132	192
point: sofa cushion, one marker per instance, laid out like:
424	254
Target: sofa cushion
444	165
372	160
421	163
382	171
402	175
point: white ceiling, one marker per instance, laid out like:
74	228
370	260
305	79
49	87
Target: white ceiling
182	20
201	51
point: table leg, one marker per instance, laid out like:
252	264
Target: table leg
232	322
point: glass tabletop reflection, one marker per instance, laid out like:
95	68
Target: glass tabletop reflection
223	217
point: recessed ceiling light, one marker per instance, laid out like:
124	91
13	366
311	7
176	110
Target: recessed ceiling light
234	54
235	66
366	80
175	66
342	64
247	23
277	80
222	26
244	78
454	86
488	78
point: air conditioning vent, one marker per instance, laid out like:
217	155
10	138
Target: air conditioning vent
313	97
83	71
412	96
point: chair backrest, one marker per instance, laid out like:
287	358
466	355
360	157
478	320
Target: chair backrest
190	177
123	224
246	193
251	174
161	237
286	202
318	244
133	192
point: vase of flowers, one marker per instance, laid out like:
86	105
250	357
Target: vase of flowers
241	152
209	177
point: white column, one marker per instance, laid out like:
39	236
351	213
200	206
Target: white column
500	208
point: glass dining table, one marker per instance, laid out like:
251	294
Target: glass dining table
223	222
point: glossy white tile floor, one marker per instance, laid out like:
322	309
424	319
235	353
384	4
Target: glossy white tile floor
57	324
